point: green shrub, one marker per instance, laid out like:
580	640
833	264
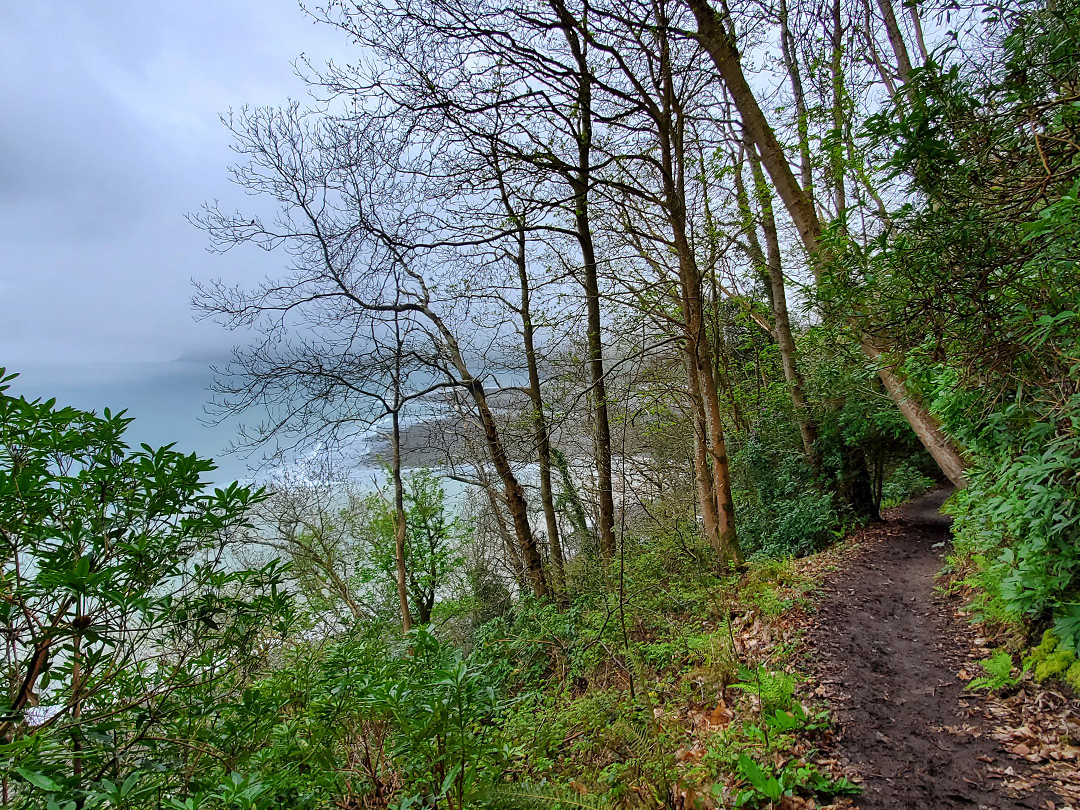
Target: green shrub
791	525
1020	515
902	484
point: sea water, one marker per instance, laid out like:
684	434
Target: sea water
167	400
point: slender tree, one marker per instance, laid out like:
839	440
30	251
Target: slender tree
716	38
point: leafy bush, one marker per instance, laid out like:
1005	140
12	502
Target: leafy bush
389	723
902	484
129	630
1020	514
789	525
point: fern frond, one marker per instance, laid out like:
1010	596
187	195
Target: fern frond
998	669
542	797
645	734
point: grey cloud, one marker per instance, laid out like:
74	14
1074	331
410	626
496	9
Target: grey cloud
108	137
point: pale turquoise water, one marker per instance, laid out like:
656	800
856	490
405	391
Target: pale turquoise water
169	404
167	400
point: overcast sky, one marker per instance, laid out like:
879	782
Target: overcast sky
109	135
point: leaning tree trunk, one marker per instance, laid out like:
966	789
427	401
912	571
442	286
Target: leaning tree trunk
716	494
540	428
514	492
896	40
720	46
925	425
802	117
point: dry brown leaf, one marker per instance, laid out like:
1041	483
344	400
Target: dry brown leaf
721	715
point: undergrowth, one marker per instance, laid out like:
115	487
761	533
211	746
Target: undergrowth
683	692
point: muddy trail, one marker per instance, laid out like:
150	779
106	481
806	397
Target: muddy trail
884	650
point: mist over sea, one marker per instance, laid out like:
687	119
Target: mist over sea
169	403
167	400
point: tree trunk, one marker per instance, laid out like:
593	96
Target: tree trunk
920	40
719	45
727	543
399	522
802	118
710	520
717	42
540	429
781	320
837	152
580	185
514	492
875	56
925	425
856	483
896	40
606	527
670	130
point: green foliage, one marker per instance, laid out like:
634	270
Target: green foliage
998	669
904	483
340	544
764	582
434	539
540	797
775	689
781	513
767	788
979	282
127	619
1020	515
794	719
397	723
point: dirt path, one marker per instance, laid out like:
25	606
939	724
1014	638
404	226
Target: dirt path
886	651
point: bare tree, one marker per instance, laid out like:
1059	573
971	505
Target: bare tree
459	66
355	233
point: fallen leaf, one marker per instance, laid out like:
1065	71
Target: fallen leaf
721	715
